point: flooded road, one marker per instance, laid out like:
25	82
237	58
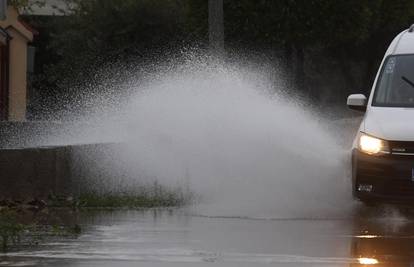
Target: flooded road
177	238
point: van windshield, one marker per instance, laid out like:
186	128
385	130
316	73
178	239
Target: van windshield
395	86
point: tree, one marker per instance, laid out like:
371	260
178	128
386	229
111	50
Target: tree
323	43
94	35
352	34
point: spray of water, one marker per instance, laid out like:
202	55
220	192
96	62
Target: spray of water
234	136
241	143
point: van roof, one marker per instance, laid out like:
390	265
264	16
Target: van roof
402	44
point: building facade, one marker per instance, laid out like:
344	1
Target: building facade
15	36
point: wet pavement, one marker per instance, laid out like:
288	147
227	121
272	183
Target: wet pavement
179	238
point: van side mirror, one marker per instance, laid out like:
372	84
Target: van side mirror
357	102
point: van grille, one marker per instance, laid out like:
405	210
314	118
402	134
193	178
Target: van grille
401	188
402	147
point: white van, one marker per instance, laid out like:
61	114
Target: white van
383	150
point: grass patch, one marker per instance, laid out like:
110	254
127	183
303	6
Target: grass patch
152	196
17	231
116	200
10	229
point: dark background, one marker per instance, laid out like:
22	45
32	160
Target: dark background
328	48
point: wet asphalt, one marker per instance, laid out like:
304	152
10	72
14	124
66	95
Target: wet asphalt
379	237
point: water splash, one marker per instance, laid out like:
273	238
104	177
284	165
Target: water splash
240	141
232	133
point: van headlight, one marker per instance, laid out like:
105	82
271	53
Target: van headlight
372	145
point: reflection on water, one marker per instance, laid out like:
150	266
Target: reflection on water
384	240
367	261
176	238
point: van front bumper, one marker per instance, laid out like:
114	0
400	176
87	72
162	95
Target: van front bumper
387	178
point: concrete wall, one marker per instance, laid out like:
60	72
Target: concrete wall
32	165
29	173
31	133
62	171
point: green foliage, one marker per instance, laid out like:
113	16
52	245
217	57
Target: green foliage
10	229
109	30
99	33
26	4
64	231
19	3
118	201
144	196
349	36
18	229
346	36
163	198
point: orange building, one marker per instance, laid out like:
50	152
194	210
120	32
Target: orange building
15	36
